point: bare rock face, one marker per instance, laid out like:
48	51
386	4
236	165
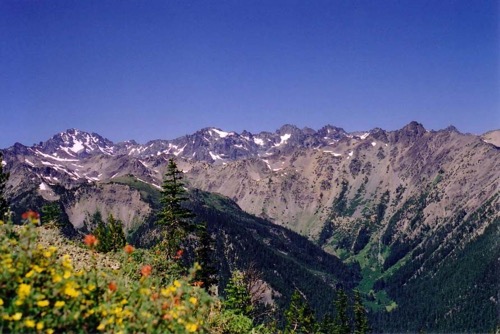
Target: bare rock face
123	203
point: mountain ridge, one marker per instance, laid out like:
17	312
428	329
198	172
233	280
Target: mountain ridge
402	204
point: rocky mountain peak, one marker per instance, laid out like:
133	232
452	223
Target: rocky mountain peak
73	143
410	132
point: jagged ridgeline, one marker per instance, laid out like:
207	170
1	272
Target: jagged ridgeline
413	212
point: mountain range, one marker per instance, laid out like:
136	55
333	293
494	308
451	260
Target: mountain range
415	211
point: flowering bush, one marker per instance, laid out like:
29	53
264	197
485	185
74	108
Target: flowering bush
41	291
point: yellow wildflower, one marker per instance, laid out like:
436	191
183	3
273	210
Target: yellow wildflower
165	292
24	290
50	331
145	291
69	290
39	326
193	300
56	278
1	301
177	284
60	303
29	323
43	303
101	327
47	254
124	301
19	302
191	328
17	316
37	268
66	261
67	274
29	274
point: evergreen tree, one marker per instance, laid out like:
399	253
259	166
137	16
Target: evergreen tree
238	297
360	318
101	232
116	233
299	316
204	256
173	215
341	319
4	206
327	325
51	214
109	234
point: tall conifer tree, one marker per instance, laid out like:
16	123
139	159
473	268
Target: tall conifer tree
175	218
341	320
299	316
360	318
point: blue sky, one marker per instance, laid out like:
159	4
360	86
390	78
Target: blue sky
160	69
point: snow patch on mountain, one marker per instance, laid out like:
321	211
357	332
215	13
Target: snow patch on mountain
215	156
334	154
77	146
222	134
363	136
25	160
258	141
176	153
284	139
51	157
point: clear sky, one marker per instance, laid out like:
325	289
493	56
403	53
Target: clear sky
160	69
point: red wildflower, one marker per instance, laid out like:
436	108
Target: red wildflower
112	286
129	249
90	240
179	253
146	270
32	216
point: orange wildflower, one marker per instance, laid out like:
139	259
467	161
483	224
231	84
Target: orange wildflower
112	286
90	240
198	283
129	249
146	270
155	296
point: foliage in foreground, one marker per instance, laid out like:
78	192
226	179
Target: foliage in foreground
41	291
